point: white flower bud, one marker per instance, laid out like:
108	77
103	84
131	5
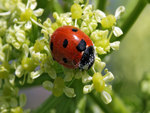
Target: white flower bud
25	49
52	73
145	86
117	31
48	85
38	12
2	56
118	12
36	74
19	71
99	66
115	45
86	78
69	92
87	9
20	35
106	97
68	75
55	15
11	79
88	88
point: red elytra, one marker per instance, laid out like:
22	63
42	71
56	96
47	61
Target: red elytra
72	48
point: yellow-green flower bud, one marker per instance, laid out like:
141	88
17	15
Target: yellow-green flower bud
98	82
22	100
69	92
104	43
98	65
3	26
17	110
108	22
58	87
97	35
28	64
25	16
39	45
48	85
13	102
4	70
54	26
76	11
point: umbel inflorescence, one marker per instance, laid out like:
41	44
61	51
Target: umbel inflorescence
25	52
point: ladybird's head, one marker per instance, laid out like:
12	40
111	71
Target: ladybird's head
87	59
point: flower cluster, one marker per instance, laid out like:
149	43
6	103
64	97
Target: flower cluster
25	55
87	19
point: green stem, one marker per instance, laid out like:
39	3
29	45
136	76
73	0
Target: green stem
36	82
102	4
130	20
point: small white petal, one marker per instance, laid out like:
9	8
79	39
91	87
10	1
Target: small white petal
33	4
100	50
115	45
88	88
25	49
117	31
106	97
108	77
36	74
2	56
69	92
118	12
99	15
38	12
28	25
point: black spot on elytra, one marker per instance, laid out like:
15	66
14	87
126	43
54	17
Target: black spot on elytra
74	30
65	60
51	46
65	43
81	46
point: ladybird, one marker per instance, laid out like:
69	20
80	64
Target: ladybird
72	48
